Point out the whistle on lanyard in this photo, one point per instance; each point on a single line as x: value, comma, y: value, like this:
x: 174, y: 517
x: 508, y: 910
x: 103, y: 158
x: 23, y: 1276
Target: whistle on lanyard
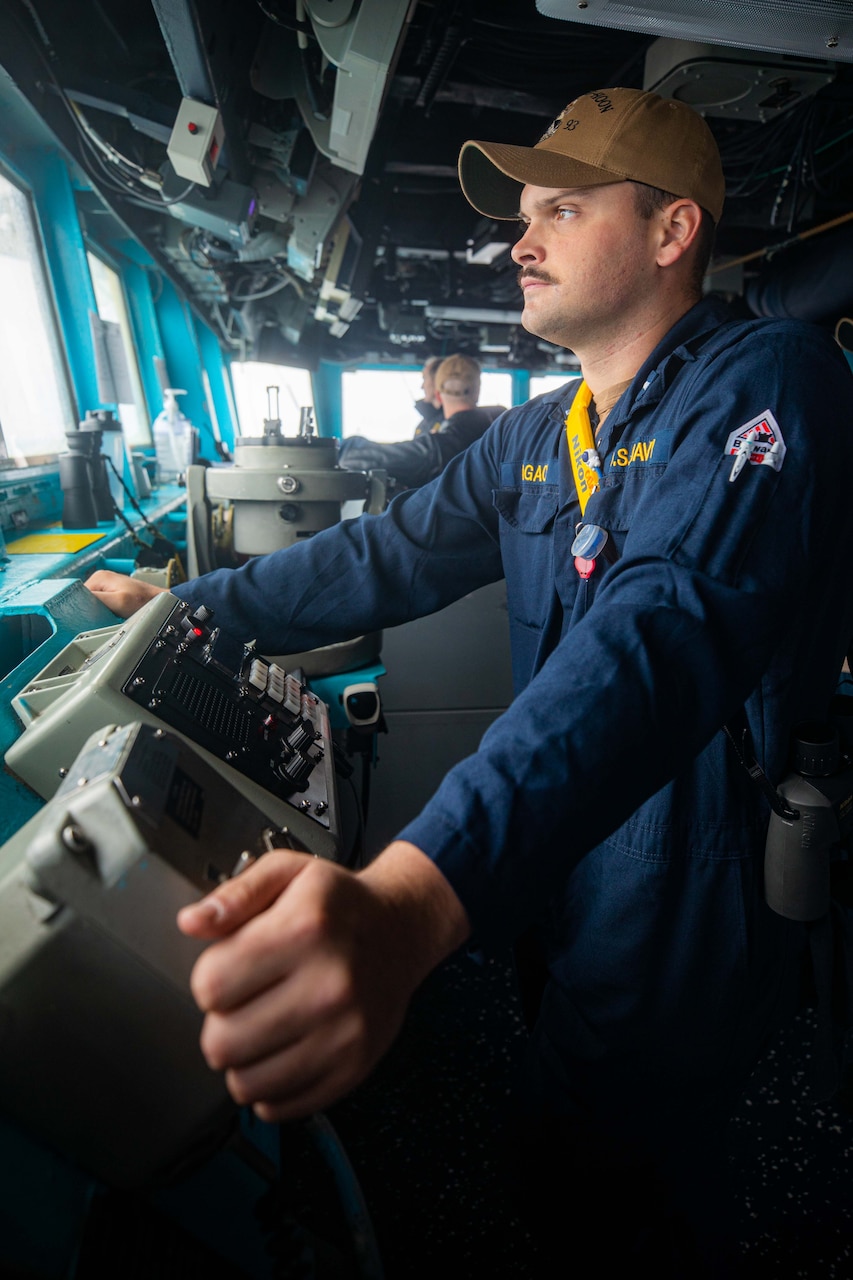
x: 592, y: 459
x: 589, y: 543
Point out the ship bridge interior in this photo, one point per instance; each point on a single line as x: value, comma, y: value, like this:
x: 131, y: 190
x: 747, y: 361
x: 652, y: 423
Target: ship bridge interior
x: 231, y: 235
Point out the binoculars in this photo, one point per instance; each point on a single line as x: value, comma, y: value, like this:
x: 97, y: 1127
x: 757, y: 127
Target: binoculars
x: 84, y: 481
x: 800, y: 848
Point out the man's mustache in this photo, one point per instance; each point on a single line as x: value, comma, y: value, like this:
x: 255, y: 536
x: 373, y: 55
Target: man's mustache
x: 531, y: 273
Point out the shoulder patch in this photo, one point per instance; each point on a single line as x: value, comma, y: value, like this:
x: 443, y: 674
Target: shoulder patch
x: 758, y: 442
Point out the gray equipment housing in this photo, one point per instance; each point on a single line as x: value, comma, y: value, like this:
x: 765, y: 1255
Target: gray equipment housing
x: 280, y: 488
x: 100, y: 1056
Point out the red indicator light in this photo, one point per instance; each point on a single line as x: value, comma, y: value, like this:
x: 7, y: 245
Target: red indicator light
x: 192, y: 127
x: 197, y: 631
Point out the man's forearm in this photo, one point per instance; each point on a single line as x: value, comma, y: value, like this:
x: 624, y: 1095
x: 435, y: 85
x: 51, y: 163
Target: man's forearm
x: 433, y: 921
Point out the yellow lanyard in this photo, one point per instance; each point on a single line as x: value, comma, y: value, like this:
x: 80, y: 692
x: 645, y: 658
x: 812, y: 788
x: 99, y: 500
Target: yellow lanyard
x: 586, y: 467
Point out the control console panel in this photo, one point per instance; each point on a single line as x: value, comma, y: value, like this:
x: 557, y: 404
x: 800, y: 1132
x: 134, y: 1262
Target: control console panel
x: 164, y: 666
x: 257, y: 717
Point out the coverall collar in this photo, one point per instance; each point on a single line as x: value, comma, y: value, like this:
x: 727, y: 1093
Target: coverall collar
x: 676, y: 348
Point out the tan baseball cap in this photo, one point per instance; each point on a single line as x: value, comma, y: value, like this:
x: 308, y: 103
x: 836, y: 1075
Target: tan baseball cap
x: 611, y: 135
x: 458, y: 376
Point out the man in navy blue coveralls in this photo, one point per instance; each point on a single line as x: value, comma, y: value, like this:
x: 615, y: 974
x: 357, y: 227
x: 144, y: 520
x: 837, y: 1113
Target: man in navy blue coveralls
x: 604, y: 814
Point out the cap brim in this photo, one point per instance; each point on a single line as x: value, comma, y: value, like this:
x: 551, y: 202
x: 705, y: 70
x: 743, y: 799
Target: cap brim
x: 492, y: 175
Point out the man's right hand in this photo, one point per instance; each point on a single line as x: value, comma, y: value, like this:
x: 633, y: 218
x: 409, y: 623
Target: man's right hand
x: 122, y: 595
x: 312, y: 968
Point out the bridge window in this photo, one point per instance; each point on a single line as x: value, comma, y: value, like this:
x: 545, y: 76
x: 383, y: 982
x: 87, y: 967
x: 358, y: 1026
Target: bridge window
x: 548, y: 382
x: 35, y: 404
x: 496, y: 388
x: 380, y: 403
x: 251, y: 380
x: 112, y: 310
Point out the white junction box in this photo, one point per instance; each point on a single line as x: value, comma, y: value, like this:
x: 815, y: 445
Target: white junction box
x: 196, y: 141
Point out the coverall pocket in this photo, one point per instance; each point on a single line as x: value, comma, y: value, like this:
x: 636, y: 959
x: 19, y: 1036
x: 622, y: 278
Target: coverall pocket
x: 530, y: 510
x: 528, y: 557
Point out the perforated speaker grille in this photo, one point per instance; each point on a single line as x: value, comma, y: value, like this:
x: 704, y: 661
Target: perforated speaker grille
x: 210, y: 709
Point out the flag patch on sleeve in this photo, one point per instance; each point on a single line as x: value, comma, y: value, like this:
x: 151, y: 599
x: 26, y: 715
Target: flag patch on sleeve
x: 758, y: 442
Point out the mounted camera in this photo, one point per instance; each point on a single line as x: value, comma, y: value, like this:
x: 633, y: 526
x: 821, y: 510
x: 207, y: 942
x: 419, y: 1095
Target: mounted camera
x: 362, y: 705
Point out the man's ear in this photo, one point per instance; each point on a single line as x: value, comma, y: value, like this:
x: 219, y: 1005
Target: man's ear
x: 679, y: 225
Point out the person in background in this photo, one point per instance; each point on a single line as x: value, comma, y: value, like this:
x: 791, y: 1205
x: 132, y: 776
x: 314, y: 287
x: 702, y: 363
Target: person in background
x: 429, y: 407
x: 411, y: 463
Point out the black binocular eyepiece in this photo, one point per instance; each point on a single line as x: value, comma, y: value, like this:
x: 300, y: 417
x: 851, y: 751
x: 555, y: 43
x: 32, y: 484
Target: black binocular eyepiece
x: 84, y: 481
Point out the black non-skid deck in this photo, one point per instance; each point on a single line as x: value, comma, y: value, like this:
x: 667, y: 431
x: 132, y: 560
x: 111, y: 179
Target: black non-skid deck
x: 423, y: 1136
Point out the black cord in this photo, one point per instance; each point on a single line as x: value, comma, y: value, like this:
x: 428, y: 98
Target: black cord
x: 300, y: 28
x: 356, y: 856
x: 161, y: 548
x: 137, y: 541
x: 124, y: 184
x: 740, y: 740
x: 366, y: 769
x: 131, y: 499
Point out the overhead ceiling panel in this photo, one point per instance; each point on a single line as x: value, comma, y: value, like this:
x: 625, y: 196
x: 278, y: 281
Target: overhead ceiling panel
x: 819, y: 29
